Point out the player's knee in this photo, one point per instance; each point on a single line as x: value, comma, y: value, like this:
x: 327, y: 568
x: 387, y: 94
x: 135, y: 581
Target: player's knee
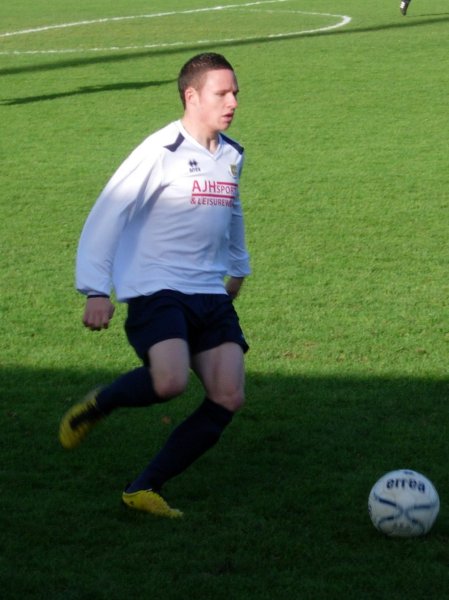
x: 170, y: 386
x: 233, y: 401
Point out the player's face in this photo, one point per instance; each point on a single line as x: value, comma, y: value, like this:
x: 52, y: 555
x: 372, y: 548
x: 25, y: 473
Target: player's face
x: 216, y: 100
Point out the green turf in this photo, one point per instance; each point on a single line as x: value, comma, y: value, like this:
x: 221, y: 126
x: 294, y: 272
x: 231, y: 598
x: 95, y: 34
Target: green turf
x: 345, y: 192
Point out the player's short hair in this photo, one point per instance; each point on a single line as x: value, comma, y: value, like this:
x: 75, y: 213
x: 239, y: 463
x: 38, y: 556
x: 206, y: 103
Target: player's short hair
x: 192, y: 73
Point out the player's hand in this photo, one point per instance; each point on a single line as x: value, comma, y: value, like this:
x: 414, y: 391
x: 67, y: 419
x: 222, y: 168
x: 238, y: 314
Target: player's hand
x: 97, y: 313
x: 233, y: 286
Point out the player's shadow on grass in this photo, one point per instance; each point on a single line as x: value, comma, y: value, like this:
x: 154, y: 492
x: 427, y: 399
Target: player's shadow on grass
x: 89, y: 89
x: 293, y: 433
x: 284, y: 493
x: 417, y: 21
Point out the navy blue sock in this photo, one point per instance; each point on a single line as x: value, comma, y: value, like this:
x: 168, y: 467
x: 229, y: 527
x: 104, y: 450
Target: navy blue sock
x: 133, y: 389
x: 190, y: 440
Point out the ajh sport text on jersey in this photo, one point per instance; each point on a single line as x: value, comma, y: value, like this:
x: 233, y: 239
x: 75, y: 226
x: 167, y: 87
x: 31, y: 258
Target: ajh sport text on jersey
x: 219, y: 188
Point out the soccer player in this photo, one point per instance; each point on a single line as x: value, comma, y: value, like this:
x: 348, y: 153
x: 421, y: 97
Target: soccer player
x: 404, y: 6
x: 167, y: 235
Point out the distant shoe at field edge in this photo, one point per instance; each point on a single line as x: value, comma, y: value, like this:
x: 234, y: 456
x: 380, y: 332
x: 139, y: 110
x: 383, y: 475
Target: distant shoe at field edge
x: 404, y: 6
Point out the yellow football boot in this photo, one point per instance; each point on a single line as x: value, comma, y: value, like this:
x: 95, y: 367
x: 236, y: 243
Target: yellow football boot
x: 151, y: 502
x: 78, y: 421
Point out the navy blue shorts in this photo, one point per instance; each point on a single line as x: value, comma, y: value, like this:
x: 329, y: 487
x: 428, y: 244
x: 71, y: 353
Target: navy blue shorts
x: 205, y: 321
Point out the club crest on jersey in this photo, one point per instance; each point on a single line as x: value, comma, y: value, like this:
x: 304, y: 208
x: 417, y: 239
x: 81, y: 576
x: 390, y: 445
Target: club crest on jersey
x: 233, y: 170
x: 193, y: 166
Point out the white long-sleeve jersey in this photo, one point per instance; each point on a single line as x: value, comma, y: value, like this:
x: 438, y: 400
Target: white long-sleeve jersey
x: 169, y: 218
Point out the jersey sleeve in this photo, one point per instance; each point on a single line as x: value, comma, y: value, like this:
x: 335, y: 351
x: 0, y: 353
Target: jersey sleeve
x: 238, y: 255
x: 130, y: 187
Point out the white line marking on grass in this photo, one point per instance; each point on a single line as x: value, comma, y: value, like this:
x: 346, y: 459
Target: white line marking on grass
x: 343, y: 20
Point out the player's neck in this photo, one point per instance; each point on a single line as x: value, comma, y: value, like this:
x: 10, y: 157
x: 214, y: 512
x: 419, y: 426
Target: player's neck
x: 205, y: 137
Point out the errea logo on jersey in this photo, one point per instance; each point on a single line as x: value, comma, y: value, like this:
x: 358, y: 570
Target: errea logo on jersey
x: 193, y: 166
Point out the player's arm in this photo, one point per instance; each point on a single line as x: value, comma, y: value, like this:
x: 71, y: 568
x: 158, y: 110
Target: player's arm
x: 127, y: 191
x: 98, y: 312
x: 239, y: 266
x: 233, y: 286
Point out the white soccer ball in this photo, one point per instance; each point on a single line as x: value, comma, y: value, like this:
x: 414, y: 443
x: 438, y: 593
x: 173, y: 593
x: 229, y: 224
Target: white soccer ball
x: 403, y: 503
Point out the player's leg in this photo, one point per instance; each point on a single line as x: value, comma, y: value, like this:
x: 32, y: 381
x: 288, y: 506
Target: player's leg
x: 165, y: 378
x: 153, y: 322
x: 404, y: 6
x: 170, y: 364
x: 217, y: 347
x: 221, y: 371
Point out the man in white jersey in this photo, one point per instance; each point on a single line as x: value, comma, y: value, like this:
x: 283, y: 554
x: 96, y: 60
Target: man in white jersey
x: 167, y: 235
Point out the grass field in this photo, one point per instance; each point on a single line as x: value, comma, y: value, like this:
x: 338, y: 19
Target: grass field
x: 345, y: 193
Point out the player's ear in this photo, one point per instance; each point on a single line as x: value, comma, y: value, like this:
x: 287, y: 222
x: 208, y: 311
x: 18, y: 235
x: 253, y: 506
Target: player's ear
x: 190, y: 95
